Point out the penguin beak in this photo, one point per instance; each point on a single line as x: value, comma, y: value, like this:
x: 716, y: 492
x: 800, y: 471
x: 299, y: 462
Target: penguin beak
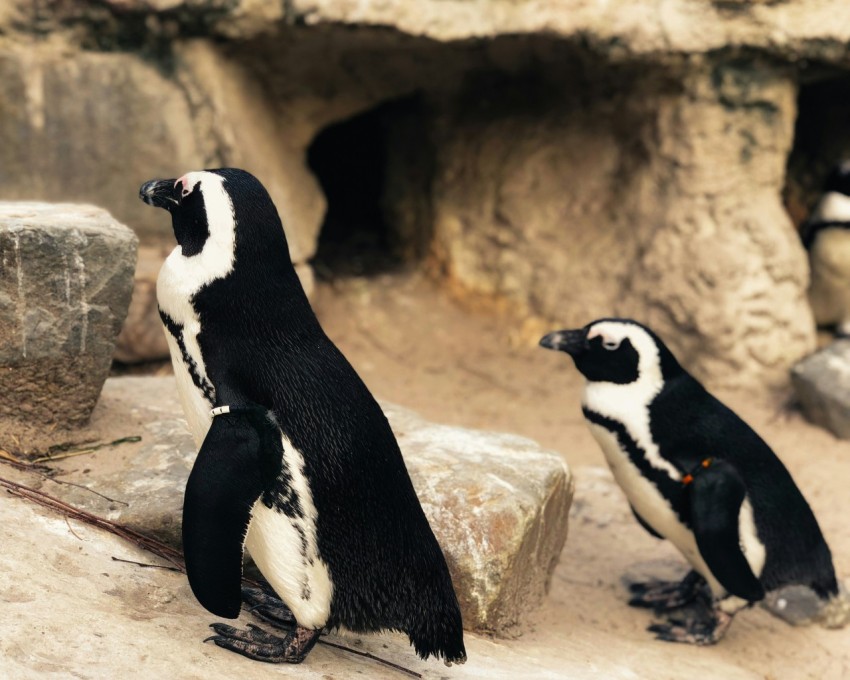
x: 160, y: 193
x: 571, y: 342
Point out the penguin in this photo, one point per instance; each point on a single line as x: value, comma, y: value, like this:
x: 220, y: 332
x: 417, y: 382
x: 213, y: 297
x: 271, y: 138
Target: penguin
x: 697, y: 475
x: 826, y: 237
x: 297, y: 463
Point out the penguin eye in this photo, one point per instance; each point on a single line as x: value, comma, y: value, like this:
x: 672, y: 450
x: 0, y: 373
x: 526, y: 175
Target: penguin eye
x: 611, y: 345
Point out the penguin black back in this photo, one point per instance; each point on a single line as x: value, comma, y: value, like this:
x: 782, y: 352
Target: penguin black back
x: 686, y: 417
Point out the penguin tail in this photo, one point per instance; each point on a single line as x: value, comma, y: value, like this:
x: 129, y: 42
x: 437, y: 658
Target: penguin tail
x: 447, y: 646
x: 440, y: 636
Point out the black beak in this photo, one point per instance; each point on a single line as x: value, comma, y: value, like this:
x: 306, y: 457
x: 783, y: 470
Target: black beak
x: 159, y: 193
x: 571, y: 342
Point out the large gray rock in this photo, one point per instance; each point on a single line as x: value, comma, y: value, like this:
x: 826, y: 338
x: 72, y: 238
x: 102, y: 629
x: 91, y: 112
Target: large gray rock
x: 822, y: 384
x: 497, y: 503
x: 65, y: 284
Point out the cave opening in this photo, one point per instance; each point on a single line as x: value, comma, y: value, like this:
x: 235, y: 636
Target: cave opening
x: 821, y: 140
x: 375, y: 170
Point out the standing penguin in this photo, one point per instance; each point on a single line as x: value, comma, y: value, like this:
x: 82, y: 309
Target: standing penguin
x: 697, y: 475
x: 297, y: 462
x: 826, y: 237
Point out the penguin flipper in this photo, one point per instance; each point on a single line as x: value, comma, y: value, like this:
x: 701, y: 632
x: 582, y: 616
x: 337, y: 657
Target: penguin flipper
x: 716, y: 496
x: 232, y: 470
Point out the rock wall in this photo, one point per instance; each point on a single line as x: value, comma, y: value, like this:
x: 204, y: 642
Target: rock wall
x: 574, y: 159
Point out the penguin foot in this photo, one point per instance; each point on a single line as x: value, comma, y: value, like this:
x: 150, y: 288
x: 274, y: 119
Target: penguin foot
x: 666, y: 595
x: 694, y: 631
x: 266, y: 606
x: 257, y: 644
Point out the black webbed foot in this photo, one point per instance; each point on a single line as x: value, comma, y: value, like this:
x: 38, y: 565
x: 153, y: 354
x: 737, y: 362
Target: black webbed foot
x: 266, y: 606
x: 697, y: 630
x: 257, y: 644
x: 666, y: 595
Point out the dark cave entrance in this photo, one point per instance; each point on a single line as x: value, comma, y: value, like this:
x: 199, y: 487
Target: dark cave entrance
x: 821, y: 140
x: 375, y: 170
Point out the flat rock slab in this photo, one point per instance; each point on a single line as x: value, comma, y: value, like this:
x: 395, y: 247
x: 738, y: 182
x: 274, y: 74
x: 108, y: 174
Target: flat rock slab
x: 498, y: 503
x: 73, y: 609
x: 822, y: 384
x: 65, y: 284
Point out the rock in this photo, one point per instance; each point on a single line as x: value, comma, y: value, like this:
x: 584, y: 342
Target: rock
x: 497, y: 503
x: 822, y: 384
x: 624, y: 154
x: 708, y: 259
x: 142, y: 337
x: 81, y: 602
x: 797, y: 605
x: 132, y: 124
x: 65, y: 284
x: 77, y: 603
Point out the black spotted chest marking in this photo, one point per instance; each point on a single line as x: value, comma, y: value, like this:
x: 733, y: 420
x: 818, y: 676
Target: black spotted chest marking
x: 283, y: 498
x: 282, y: 495
x: 176, y: 331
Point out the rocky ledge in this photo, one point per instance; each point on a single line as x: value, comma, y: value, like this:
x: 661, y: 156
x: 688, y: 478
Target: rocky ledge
x: 497, y: 503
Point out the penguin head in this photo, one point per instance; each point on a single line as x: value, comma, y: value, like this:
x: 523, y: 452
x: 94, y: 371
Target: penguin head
x: 834, y: 204
x: 219, y: 216
x: 839, y: 179
x: 618, y: 351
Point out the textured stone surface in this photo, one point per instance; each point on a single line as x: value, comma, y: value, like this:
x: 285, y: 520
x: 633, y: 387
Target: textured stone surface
x: 84, y: 126
x: 822, y: 384
x: 72, y: 610
x: 661, y: 207
x: 142, y: 337
x: 65, y: 284
x: 585, y: 159
x: 497, y: 503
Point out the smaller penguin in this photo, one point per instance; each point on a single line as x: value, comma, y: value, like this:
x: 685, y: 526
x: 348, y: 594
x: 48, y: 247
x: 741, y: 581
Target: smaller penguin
x: 697, y: 475
x: 826, y: 237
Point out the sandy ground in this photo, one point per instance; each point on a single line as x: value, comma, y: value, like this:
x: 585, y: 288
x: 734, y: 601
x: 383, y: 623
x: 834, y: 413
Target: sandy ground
x: 415, y: 347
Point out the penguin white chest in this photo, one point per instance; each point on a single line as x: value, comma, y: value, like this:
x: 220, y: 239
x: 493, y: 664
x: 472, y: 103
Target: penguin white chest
x: 283, y: 544
x: 829, y: 291
x: 182, y: 327
x: 648, y: 501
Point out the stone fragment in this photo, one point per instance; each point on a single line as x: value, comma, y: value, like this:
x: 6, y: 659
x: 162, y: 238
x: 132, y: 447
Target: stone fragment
x: 65, y: 284
x: 497, y: 503
x: 821, y: 382
x: 142, y: 337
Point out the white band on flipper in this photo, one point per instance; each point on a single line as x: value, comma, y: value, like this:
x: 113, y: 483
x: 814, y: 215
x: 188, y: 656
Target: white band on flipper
x: 218, y: 410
